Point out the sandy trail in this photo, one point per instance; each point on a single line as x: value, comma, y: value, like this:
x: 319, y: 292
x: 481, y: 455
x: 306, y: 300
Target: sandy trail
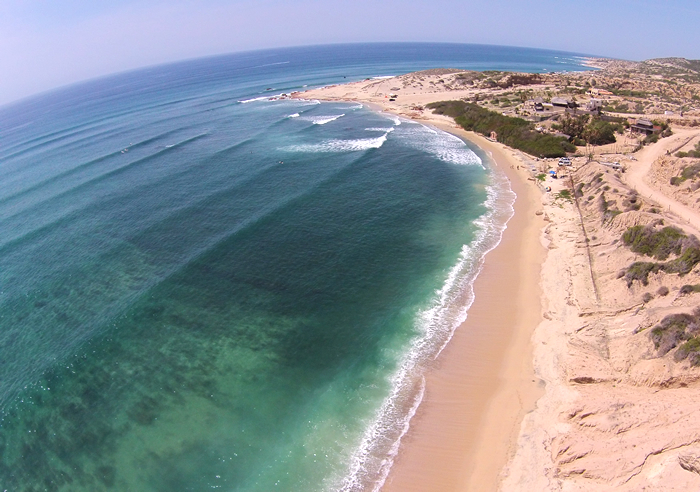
x: 636, y: 178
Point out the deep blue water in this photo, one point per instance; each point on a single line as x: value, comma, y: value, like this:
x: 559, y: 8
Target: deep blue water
x: 202, y: 288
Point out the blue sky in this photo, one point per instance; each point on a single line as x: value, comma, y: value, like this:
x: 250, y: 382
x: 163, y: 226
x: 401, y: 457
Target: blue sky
x: 47, y: 43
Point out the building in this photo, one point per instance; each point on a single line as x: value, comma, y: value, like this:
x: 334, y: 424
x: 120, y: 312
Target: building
x: 594, y: 105
x: 598, y: 92
x: 538, y: 102
x: 563, y: 103
x: 644, y: 126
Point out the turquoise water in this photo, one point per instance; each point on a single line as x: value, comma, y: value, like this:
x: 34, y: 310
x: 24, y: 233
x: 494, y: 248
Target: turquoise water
x: 201, y: 288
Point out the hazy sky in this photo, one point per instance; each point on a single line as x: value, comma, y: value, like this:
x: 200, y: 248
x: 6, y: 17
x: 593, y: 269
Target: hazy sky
x: 49, y: 43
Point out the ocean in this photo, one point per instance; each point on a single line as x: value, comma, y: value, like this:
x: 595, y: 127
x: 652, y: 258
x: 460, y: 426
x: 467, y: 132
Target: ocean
x: 202, y: 288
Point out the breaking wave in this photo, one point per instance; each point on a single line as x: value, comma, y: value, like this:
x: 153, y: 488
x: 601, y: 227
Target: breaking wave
x: 322, y: 120
x: 338, y: 145
x: 443, y: 145
x: 371, y: 463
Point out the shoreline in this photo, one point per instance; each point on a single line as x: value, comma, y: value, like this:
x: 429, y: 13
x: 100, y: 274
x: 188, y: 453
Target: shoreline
x: 483, y: 383
x: 481, y: 387
x: 604, y: 385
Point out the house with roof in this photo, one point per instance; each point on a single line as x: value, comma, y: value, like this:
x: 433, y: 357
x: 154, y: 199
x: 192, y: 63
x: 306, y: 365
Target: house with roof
x: 644, y: 126
x: 594, y: 106
x: 563, y: 103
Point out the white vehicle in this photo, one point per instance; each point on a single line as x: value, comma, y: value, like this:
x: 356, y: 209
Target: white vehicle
x: 564, y: 161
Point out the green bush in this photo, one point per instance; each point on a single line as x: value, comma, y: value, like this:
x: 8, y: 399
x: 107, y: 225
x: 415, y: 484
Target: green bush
x: 628, y: 93
x: 599, y: 132
x: 693, y: 153
x: 689, y: 350
x: 660, y: 245
x: 640, y: 270
x: 592, y: 130
x: 605, y: 208
x: 672, y: 330
x: 685, y: 262
x: 689, y: 289
x: 650, y: 139
x: 690, y: 172
x: 679, y: 329
x: 657, y: 244
x: 564, y: 195
x: 514, y: 132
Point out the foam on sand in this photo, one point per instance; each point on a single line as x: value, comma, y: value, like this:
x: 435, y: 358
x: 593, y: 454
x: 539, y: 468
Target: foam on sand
x: 395, y: 119
x: 380, y: 443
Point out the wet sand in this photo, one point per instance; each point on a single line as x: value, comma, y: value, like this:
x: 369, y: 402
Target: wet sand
x: 483, y: 382
x: 473, y: 430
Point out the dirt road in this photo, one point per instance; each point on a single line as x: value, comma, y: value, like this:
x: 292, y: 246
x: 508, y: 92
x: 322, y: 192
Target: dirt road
x: 635, y: 177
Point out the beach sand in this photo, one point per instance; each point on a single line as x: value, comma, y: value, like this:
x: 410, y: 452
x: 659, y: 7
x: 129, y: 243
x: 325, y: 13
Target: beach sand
x: 483, y: 383
x: 554, y: 383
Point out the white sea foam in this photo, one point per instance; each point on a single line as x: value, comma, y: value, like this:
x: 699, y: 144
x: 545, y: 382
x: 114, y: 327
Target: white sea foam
x: 395, y: 119
x: 295, y: 115
x: 305, y: 102
x: 440, y: 144
x: 379, y: 445
x: 322, y: 120
x: 338, y: 145
x: 282, y: 99
x: 379, y: 129
x: 263, y: 98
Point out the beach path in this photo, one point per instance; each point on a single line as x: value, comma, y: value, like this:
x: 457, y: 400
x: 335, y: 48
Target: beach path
x: 636, y: 177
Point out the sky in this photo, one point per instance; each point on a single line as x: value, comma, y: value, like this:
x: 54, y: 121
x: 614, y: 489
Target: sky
x: 46, y: 44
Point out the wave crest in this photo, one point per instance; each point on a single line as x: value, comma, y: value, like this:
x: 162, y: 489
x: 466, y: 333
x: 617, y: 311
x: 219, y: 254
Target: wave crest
x: 337, y: 145
x: 246, y: 101
x: 322, y: 120
x: 442, y: 145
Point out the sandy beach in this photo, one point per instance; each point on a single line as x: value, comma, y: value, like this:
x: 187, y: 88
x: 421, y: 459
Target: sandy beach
x: 554, y: 382
x: 483, y: 382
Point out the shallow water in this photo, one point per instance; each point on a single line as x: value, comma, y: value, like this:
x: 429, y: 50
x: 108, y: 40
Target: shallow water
x: 199, y: 292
